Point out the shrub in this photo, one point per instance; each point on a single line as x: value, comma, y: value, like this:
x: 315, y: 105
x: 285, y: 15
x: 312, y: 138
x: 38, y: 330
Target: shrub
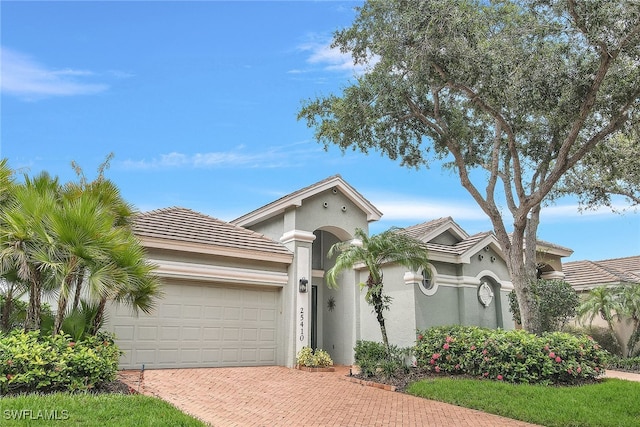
x: 602, y: 336
x: 631, y: 364
x: 31, y: 362
x: 313, y: 359
x: 372, y: 358
x: 514, y: 356
x: 555, y: 302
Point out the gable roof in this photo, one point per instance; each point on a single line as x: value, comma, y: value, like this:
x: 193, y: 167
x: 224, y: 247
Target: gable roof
x: 184, y: 229
x: 460, y: 252
x: 589, y: 274
x: 468, y: 245
x: 431, y: 229
x: 295, y: 200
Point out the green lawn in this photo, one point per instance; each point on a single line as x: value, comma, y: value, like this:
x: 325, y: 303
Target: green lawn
x: 101, y: 410
x: 610, y: 402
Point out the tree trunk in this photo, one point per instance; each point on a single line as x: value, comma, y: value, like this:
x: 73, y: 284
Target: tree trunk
x: 99, y: 317
x: 383, y: 330
x: 6, y: 311
x: 32, y: 322
x: 62, y: 304
x: 78, y: 290
x: 378, y: 306
x: 634, y: 338
x: 62, y: 308
x: 521, y: 262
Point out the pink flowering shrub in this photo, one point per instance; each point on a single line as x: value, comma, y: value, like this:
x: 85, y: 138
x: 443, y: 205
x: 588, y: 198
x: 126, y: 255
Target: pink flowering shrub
x: 513, y: 356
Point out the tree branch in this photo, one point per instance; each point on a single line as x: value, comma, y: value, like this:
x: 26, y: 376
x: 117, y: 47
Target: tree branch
x: 474, y: 97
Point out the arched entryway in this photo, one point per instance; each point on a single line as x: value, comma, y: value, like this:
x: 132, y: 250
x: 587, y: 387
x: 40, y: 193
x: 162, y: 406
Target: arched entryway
x: 332, y: 310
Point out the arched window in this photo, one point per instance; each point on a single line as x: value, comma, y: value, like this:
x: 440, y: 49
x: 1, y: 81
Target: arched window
x: 428, y: 285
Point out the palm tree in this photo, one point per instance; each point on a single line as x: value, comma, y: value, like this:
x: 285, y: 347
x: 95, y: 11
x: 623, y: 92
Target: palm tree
x: 110, y: 198
x: 11, y: 286
x: 65, y: 239
x: 388, y: 247
x: 25, y: 241
x: 82, y: 228
x: 630, y: 304
x: 104, y: 261
x: 601, y: 301
x: 134, y: 282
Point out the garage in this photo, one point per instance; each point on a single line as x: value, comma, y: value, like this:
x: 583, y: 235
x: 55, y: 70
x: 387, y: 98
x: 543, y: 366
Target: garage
x: 200, y: 325
x: 221, y: 301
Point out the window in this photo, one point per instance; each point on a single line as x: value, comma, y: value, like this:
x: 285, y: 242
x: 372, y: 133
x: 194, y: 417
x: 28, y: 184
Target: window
x: 428, y: 284
x: 427, y: 280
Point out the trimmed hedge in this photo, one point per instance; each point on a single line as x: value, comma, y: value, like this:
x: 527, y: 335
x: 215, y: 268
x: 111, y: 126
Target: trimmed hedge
x: 514, y: 356
x: 31, y: 362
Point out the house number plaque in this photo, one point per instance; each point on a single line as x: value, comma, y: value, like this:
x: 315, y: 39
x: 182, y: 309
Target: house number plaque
x: 301, y: 323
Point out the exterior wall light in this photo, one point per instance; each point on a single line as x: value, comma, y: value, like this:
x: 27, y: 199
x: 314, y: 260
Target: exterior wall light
x: 302, y: 286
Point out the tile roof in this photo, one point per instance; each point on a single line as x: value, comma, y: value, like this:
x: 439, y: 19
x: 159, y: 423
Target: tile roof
x: 586, y: 274
x: 419, y: 230
x: 186, y: 225
x: 425, y: 229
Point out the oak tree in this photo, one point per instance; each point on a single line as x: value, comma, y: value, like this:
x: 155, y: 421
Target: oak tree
x: 511, y: 95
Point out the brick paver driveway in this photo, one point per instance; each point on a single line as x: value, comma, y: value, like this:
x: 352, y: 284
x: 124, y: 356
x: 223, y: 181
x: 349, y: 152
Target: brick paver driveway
x: 278, y: 396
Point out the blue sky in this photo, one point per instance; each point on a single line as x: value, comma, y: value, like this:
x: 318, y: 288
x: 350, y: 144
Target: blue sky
x: 198, y: 102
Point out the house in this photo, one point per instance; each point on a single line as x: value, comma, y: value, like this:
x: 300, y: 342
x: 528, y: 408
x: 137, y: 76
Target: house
x: 252, y: 291
x: 586, y: 275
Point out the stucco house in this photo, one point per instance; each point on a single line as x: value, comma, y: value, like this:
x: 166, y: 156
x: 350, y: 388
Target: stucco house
x: 586, y: 275
x: 252, y: 291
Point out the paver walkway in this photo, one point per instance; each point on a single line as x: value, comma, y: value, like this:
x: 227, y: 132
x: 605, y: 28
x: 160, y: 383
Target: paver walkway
x: 279, y: 396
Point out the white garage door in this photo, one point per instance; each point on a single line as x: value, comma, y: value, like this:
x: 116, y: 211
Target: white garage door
x: 200, y: 325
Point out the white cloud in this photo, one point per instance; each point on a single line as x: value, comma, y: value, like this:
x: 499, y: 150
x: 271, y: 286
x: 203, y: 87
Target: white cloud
x: 405, y: 208
x: 320, y: 53
x: 26, y: 78
x: 277, y: 156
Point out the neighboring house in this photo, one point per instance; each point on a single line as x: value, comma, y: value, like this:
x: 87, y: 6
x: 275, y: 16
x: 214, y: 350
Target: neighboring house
x: 252, y: 291
x: 586, y: 275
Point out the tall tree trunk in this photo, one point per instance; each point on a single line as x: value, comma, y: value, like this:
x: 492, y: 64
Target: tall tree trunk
x: 378, y: 306
x: 635, y: 336
x: 78, y: 290
x: 62, y: 304
x: 522, y: 265
x: 6, y: 310
x: 32, y: 321
x: 99, y: 317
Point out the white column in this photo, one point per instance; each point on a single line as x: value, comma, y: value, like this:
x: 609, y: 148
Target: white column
x: 303, y: 312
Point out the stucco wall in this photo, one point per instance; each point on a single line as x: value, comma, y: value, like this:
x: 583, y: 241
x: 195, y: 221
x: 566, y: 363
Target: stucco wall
x: 313, y: 214
x: 273, y: 227
x: 400, y: 320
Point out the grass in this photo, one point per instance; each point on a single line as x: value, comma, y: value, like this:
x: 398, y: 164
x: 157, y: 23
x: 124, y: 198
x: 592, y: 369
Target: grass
x: 89, y: 410
x: 610, y: 402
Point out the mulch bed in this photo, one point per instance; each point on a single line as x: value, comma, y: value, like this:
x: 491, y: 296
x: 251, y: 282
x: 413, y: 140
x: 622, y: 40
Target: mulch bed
x: 400, y: 379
